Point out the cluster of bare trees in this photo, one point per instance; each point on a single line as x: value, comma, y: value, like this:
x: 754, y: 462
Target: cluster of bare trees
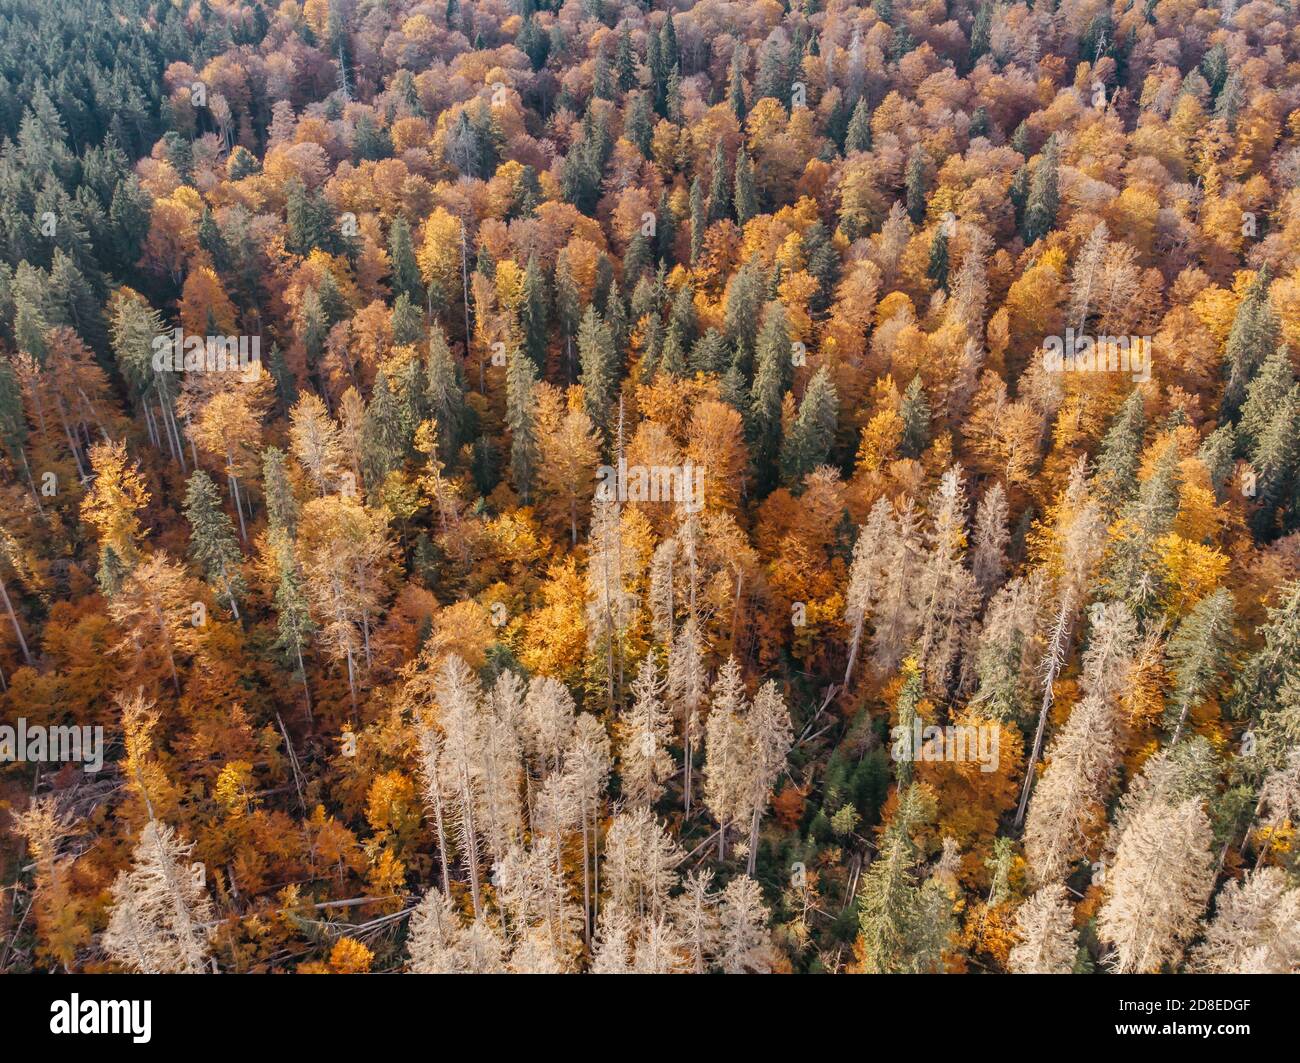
x: 517, y: 784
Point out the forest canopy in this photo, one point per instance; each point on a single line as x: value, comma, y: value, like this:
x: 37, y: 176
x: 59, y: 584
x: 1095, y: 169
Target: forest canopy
x: 567, y: 486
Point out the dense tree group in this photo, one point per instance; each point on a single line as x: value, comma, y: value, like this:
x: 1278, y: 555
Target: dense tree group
x: 611, y: 432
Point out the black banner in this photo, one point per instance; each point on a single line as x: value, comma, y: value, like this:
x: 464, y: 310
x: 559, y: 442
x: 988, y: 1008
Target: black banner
x: 335, y: 1012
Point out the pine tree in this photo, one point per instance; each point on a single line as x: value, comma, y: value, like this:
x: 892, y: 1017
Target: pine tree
x: 384, y: 438
x: 128, y: 215
x: 736, y: 82
x: 1216, y: 454
x: 406, y: 279
x: 719, y: 203
x: 915, y: 412
x: 1199, y: 655
x: 1120, y: 454
x: 710, y: 354
x: 445, y: 394
x: 937, y: 270
x: 1252, y: 338
x: 109, y: 577
x: 979, y: 33
x: 1132, y: 571
x: 772, y: 375
x: 1277, y: 662
x: 521, y: 418
x: 13, y: 424
x: 699, y: 220
x: 625, y: 60
x: 281, y: 505
x: 1274, y: 459
x: 746, y: 198
x: 1044, y: 197
x: 212, y: 539
x: 286, y: 387
x: 408, y: 321
x: 896, y: 932
x: 668, y: 54
x: 639, y: 125
x: 311, y: 222
x: 599, y: 368
x: 809, y: 440
x: 532, y: 313
x: 746, y: 295
x: 1265, y: 395
x: 858, y: 137
x: 568, y: 312
x: 294, y: 625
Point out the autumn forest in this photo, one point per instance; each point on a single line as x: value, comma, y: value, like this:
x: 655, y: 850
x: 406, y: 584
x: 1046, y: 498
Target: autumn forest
x: 570, y: 486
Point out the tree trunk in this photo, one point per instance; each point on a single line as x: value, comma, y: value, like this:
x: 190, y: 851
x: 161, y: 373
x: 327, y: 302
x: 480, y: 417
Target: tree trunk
x: 586, y: 878
x: 471, y: 842
x: 13, y: 619
x: 441, y: 828
x: 302, y: 670
x: 1054, y: 660
x: 234, y: 490
x: 853, y: 650
x: 686, y: 756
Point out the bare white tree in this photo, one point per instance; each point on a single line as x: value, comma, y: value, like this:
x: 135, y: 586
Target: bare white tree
x: 644, y: 731
x: 1048, y: 941
x: 896, y: 615
x: 1255, y: 929
x: 661, y: 948
x: 1162, y: 876
x: 726, y: 752
x: 459, y: 765
x: 746, y: 945
x: 640, y: 856
x: 988, y: 554
x: 161, y: 916
x: 586, y: 773
x: 946, y: 593
x: 770, y: 739
x: 1069, y: 803
x: 696, y: 912
x: 614, y: 942
x: 866, y: 575
x: 687, y: 691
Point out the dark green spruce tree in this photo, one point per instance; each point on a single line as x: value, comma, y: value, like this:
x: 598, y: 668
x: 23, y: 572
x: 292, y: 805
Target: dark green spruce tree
x: 212, y: 540
x: 808, y: 443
